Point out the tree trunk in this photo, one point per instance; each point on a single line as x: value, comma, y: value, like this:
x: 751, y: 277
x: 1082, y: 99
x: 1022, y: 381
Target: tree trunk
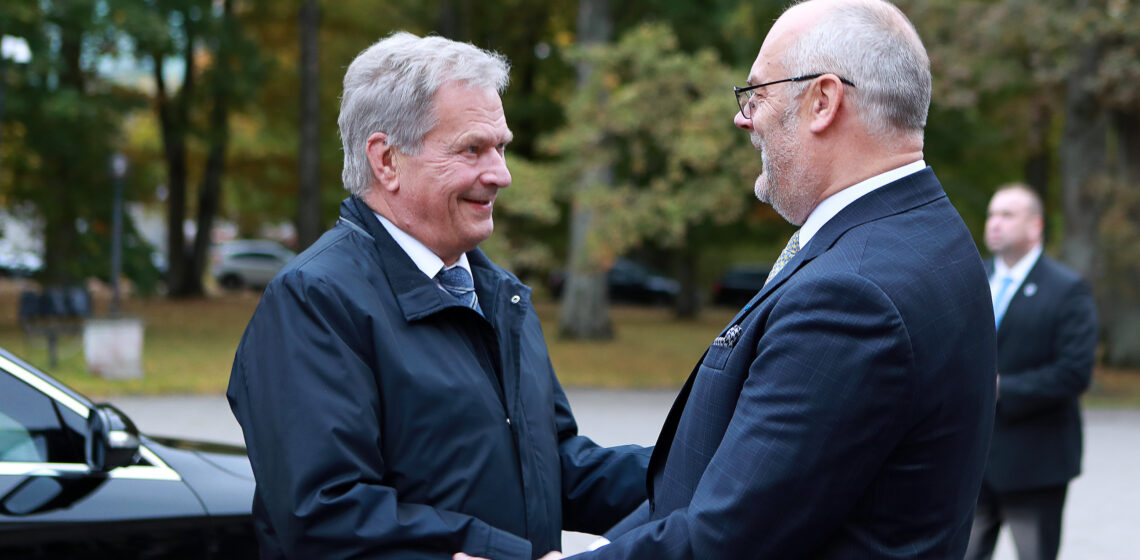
x: 1121, y: 300
x: 689, y: 300
x: 1038, y: 164
x: 209, y: 195
x: 447, y: 22
x: 585, y: 312
x: 1127, y: 128
x: 1083, y: 148
x: 60, y: 235
x: 309, y: 154
x: 174, y: 118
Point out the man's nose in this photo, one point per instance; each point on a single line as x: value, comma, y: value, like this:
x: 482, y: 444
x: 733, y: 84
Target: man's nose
x: 495, y: 173
x: 742, y: 122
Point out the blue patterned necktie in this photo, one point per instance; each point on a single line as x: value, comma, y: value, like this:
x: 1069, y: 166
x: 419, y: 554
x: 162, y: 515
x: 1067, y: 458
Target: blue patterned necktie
x: 786, y: 255
x: 458, y: 282
x: 1001, y: 303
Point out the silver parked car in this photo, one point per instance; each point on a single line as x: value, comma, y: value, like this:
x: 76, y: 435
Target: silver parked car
x: 248, y: 262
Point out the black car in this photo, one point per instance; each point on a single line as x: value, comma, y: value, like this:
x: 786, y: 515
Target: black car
x: 630, y: 282
x: 77, y: 480
x: 739, y: 283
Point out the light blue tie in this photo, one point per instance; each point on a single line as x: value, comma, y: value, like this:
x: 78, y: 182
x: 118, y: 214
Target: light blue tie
x: 1000, y: 301
x: 458, y: 282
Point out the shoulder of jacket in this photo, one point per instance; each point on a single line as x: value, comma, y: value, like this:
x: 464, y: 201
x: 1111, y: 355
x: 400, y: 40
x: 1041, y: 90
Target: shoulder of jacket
x: 1059, y: 272
x: 331, y: 259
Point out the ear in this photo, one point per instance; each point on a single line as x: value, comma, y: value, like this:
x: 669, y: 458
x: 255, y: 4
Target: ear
x: 381, y: 159
x: 1038, y: 226
x: 827, y: 98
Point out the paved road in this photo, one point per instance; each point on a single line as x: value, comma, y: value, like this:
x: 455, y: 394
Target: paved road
x: 1102, y: 520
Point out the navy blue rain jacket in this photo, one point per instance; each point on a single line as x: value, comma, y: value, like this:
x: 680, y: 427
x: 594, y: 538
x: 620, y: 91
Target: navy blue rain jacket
x: 377, y: 425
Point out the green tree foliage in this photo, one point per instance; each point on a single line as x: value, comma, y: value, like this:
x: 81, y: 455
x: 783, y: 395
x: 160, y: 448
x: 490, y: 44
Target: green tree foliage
x: 61, y: 125
x: 1058, y: 81
x: 221, y: 71
x: 664, y: 124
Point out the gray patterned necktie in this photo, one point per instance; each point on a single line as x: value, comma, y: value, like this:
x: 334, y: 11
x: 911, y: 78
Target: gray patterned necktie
x: 786, y: 255
x: 458, y: 282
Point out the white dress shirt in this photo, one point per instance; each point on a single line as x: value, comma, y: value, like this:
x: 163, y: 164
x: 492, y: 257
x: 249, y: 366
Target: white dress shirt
x: 425, y: 259
x: 1017, y: 273
x: 835, y: 203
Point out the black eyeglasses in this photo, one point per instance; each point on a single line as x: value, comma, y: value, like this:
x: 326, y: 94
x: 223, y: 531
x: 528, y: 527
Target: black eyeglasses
x: 744, y: 94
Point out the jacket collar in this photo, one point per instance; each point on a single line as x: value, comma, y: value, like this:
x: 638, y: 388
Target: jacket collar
x: 899, y: 196
x: 417, y: 295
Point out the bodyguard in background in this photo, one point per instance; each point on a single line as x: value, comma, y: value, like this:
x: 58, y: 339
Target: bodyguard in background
x: 1046, y: 337
x: 393, y: 406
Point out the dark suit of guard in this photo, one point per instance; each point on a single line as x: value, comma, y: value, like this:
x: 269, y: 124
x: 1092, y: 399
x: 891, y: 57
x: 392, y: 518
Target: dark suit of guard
x: 846, y: 411
x: 1046, y: 347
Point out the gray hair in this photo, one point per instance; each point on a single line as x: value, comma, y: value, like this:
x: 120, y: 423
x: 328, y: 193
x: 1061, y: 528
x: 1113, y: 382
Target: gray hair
x: 389, y: 88
x: 871, y: 43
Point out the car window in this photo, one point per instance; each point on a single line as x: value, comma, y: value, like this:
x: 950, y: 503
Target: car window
x: 35, y: 428
x: 256, y: 256
x: 17, y: 444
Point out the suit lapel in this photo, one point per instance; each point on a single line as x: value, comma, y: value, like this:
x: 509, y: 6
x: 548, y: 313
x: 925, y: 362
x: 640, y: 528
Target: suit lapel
x: 668, y: 431
x: 1019, y: 303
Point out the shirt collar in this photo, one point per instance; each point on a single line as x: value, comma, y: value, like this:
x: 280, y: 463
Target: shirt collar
x: 1018, y: 271
x: 835, y: 203
x: 425, y: 259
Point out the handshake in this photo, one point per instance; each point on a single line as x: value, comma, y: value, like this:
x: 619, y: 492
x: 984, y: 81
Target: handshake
x: 553, y: 555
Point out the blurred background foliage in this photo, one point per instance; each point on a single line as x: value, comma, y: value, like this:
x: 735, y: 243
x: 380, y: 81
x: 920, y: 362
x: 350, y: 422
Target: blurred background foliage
x: 205, y: 99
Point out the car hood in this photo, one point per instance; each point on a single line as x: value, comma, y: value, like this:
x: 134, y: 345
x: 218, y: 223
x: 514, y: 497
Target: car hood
x: 218, y: 473
x: 230, y: 458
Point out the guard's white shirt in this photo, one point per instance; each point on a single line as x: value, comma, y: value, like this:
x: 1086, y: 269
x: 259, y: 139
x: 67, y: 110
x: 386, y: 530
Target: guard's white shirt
x: 1017, y: 273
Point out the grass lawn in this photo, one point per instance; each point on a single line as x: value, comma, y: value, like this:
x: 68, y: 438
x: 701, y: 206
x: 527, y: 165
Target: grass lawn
x: 189, y: 348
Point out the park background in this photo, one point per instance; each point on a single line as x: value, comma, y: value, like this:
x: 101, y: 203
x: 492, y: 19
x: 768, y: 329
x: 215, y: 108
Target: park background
x: 624, y: 146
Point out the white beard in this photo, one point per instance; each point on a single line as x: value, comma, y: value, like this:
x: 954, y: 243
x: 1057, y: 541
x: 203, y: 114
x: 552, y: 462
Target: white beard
x: 782, y: 169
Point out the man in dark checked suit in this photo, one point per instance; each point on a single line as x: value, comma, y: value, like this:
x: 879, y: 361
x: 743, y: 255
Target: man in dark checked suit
x: 846, y: 411
x: 1047, y: 335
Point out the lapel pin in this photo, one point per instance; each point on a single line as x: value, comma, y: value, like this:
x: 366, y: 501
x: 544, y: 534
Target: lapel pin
x: 1030, y: 289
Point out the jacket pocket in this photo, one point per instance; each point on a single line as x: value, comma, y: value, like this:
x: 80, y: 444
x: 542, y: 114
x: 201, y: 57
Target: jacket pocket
x: 717, y: 356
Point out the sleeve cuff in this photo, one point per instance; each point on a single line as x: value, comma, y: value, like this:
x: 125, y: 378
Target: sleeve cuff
x: 505, y: 546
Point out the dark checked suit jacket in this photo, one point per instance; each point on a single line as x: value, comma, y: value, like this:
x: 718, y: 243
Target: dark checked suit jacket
x: 846, y: 411
x: 1046, y: 348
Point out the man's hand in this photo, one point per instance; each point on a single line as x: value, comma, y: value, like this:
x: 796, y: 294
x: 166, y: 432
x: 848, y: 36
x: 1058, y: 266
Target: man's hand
x: 552, y: 555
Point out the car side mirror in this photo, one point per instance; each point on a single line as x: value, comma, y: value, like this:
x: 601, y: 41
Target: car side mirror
x: 112, y: 439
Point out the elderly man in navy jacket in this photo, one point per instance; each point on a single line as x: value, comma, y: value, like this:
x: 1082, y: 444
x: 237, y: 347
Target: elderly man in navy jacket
x: 393, y: 385
x: 845, y: 412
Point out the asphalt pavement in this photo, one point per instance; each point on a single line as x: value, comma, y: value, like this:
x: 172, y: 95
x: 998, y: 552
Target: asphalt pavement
x: 1102, y: 517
